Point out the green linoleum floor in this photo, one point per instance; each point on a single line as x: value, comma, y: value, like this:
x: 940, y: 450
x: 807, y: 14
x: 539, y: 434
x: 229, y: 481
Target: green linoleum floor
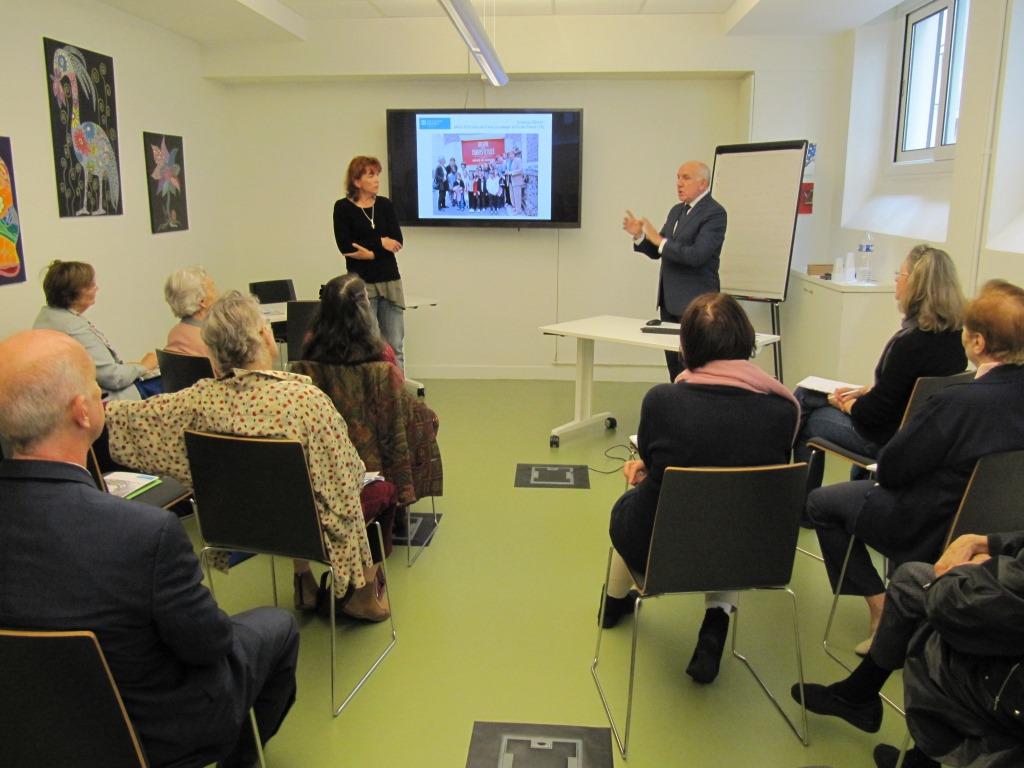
x: 496, y: 621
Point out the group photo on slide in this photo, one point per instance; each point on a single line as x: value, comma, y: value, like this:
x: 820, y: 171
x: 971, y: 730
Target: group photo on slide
x: 488, y: 176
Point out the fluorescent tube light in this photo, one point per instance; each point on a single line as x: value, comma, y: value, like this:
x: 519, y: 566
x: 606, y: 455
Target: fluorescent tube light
x: 467, y: 22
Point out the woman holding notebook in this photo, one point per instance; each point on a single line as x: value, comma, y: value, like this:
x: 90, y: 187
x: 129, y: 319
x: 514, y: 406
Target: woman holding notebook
x: 863, y: 419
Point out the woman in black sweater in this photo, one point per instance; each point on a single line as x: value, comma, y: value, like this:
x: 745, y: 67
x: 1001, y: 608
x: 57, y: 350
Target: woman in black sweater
x: 367, y: 233
x: 722, y: 411
x: 864, y: 419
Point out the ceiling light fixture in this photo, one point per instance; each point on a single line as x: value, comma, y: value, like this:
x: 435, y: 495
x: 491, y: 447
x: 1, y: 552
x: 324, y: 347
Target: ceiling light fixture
x: 467, y: 22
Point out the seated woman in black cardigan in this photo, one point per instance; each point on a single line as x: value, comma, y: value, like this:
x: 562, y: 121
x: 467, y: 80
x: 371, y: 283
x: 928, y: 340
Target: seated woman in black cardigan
x: 924, y: 470
x: 864, y: 419
x: 722, y: 411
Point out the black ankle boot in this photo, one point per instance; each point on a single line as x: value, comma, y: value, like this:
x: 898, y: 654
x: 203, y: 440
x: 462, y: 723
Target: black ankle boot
x: 886, y: 756
x: 707, y: 656
x: 616, y: 607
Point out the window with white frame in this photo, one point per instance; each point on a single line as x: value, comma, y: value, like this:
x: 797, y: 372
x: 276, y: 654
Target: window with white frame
x: 933, y: 67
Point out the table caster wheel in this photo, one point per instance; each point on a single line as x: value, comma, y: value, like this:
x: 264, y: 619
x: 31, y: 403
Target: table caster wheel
x: 610, y: 423
x: 553, y: 442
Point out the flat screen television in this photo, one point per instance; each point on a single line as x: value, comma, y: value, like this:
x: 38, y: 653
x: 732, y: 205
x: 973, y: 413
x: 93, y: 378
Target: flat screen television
x: 485, y: 167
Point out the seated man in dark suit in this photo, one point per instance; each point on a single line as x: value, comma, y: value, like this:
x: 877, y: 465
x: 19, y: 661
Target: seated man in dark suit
x: 924, y: 470
x: 958, y: 627
x: 78, y: 558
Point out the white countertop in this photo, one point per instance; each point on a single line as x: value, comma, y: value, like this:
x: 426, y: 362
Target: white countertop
x: 840, y: 287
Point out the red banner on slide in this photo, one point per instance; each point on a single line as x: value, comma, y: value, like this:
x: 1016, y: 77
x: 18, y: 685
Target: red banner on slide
x: 482, y: 150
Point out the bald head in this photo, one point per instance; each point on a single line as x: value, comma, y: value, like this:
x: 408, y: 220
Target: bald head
x: 48, y: 391
x: 692, y: 179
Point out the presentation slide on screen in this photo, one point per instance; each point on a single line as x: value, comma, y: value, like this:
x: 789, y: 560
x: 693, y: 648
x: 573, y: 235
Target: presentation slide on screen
x: 484, y: 166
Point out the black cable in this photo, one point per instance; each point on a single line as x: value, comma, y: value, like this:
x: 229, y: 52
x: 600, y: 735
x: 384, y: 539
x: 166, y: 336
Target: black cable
x: 608, y: 455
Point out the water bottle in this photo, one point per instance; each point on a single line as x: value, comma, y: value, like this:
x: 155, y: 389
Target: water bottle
x: 865, y: 255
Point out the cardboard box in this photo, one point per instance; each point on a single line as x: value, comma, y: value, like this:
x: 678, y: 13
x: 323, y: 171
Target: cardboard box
x: 819, y: 270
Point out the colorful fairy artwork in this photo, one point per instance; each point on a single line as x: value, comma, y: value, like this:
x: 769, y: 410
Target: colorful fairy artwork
x: 12, y: 259
x: 165, y: 168
x: 83, y: 122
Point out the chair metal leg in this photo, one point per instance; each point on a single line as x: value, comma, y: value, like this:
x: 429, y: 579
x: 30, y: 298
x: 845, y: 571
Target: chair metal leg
x: 273, y: 578
x: 828, y: 627
x: 835, y: 604
x: 204, y: 560
x: 260, y: 758
x: 810, y: 554
x: 394, y: 635
x: 903, y: 750
x: 801, y: 732
x: 621, y: 740
x: 409, y: 559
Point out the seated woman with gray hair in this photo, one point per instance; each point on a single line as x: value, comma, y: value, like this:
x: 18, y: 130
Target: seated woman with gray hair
x: 252, y: 399
x: 189, y: 292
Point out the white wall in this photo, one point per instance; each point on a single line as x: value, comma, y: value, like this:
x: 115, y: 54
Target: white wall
x: 265, y: 156
x: 994, y: 189
x: 662, y: 90
x: 159, y: 89
x: 495, y: 286
x: 957, y: 204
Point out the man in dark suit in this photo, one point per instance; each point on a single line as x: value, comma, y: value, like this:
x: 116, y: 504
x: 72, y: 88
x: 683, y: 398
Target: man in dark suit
x: 689, y: 245
x: 440, y: 182
x: 77, y: 558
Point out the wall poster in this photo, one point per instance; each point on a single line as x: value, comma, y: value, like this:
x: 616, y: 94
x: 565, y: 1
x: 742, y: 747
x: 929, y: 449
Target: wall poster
x: 165, y: 167
x: 83, y: 122
x: 12, y: 258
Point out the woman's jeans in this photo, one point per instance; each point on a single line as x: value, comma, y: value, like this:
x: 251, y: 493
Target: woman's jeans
x: 819, y: 419
x: 391, y: 319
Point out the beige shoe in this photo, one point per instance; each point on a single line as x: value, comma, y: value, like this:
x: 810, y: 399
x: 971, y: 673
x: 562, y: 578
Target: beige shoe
x: 365, y: 605
x: 862, y: 648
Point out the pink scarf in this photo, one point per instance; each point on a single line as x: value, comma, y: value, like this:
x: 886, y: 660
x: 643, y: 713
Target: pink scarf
x: 741, y: 374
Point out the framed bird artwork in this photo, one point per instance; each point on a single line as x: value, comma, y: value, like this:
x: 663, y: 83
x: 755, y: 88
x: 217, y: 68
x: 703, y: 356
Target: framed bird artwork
x: 83, y: 122
x: 165, y: 171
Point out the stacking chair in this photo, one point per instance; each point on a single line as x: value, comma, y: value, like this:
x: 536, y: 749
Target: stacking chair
x: 924, y: 387
x: 300, y: 318
x: 718, y: 530
x: 169, y: 494
x: 254, y: 494
x: 275, y: 292
x: 61, y: 704
x: 389, y: 435
x: 179, y: 371
x: 994, y: 499
x: 993, y: 502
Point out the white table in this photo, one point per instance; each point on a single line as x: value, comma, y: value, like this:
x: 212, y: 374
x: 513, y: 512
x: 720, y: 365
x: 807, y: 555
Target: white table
x: 617, y: 330
x: 276, y: 312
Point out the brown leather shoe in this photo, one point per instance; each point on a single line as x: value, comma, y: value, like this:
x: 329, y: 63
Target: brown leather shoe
x: 366, y: 606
